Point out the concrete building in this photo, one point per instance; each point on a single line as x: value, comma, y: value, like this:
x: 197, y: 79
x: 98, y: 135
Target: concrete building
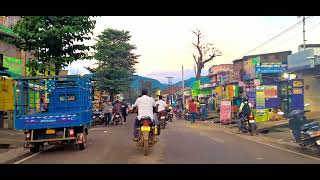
x: 307, y: 66
x: 10, y: 56
x: 218, y: 72
x: 13, y: 61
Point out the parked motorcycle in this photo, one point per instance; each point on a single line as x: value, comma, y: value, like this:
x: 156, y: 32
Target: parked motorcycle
x: 147, y: 132
x: 186, y: 115
x: 305, y: 134
x: 178, y: 115
x: 117, y: 119
x: 98, y: 118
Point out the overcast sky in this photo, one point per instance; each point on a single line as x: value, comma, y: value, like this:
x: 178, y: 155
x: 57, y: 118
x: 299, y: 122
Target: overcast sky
x: 165, y: 42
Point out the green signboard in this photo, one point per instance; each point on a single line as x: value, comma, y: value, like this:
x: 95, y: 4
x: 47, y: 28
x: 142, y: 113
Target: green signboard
x: 14, y: 65
x: 7, y: 30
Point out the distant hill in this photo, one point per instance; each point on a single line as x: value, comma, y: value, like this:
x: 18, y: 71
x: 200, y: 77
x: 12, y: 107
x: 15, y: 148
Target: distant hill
x: 155, y: 83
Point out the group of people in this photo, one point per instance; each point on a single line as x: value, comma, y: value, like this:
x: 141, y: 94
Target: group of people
x: 147, y: 106
x: 197, y: 109
x: 110, y: 109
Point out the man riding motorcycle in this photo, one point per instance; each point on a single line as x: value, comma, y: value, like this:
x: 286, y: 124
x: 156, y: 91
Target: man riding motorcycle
x: 117, y: 110
x: 169, y: 110
x: 161, y: 108
x: 145, y: 106
x: 244, y: 111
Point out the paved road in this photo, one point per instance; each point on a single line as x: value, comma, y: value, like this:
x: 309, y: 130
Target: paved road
x: 179, y: 143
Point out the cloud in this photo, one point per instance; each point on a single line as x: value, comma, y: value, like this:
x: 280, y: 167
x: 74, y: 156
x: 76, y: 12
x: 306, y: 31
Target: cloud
x: 177, y: 75
x: 165, y: 43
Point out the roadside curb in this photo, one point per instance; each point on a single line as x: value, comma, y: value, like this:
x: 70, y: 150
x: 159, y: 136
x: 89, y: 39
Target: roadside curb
x: 275, y: 125
x: 261, y: 138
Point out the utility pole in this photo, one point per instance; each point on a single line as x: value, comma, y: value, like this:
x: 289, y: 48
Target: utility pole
x: 169, y: 86
x: 304, y: 32
x: 182, y: 88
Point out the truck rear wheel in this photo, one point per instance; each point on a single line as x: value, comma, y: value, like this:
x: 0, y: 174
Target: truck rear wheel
x: 35, y: 149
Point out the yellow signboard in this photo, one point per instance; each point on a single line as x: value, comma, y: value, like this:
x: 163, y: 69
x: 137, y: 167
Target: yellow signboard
x: 297, y: 84
x: 297, y: 91
x: 6, y: 94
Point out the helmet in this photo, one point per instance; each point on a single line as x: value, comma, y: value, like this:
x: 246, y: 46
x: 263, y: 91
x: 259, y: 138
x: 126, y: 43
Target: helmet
x: 245, y: 99
x: 144, y: 92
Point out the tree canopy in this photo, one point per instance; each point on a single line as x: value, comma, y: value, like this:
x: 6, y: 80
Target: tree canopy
x: 54, y: 40
x: 116, y: 61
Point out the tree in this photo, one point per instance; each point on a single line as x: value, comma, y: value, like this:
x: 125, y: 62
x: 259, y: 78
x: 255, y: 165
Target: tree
x: 206, y: 53
x: 116, y: 61
x: 54, y: 40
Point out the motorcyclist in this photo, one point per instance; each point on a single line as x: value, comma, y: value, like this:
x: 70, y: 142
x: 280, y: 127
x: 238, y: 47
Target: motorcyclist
x: 168, y: 108
x: 161, y: 107
x: 117, y: 109
x: 124, y: 108
x: 145, y: 106
x: 244, y: 110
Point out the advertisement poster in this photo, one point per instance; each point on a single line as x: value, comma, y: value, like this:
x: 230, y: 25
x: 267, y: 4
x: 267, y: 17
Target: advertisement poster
x: 297, y: 91
x: 249, y: 67
x: 225, y: 111
x: 14, y: 65
x: 260, y: 97
x: 271, y: 91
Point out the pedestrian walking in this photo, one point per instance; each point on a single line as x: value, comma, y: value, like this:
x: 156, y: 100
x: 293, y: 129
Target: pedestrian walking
x: 193, y: 111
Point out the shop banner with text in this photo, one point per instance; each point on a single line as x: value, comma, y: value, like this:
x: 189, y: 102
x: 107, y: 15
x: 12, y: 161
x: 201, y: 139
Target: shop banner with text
x: 225, y: 112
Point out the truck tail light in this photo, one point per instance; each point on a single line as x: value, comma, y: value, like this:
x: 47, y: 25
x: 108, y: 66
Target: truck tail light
x: 28, y: 135
x: 71, y: 132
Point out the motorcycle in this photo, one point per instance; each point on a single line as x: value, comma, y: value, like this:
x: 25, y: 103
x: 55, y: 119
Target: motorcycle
x: 147, y: 132
x: 117, y: 119
x: 186, y: 115
x: 169, y: 115
x: 305, y: 134
x: 178, y: 115
x: 162, y: 120
x: 248, y: 123
x: 98, y: 118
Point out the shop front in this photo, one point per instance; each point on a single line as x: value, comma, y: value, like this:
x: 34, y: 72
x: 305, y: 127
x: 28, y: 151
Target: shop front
x: 262, y: 81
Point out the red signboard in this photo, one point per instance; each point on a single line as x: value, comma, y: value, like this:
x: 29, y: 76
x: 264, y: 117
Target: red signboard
x: 225, y: 112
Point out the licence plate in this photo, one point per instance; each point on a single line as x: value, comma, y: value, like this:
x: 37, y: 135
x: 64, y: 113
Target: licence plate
x: 251, y: 121
x: 145, y: 128
x: 50, y: 131
x: 318, y: 142
x: 117, y: 115
x: 162, y: 117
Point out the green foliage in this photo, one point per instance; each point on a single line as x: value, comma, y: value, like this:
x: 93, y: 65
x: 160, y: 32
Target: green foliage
x: 54, y: 40
x: 115, y: 61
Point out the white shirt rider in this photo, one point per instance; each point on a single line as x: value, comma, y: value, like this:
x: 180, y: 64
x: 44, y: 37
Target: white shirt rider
x: 145, y: 106
x: 161, y: 105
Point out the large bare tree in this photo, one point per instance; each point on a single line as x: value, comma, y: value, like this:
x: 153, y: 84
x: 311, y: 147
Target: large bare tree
x: 205, y: 53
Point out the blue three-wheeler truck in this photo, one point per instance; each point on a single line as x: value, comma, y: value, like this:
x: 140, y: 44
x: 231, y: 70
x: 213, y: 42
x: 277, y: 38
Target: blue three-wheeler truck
x: 53, y: 110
